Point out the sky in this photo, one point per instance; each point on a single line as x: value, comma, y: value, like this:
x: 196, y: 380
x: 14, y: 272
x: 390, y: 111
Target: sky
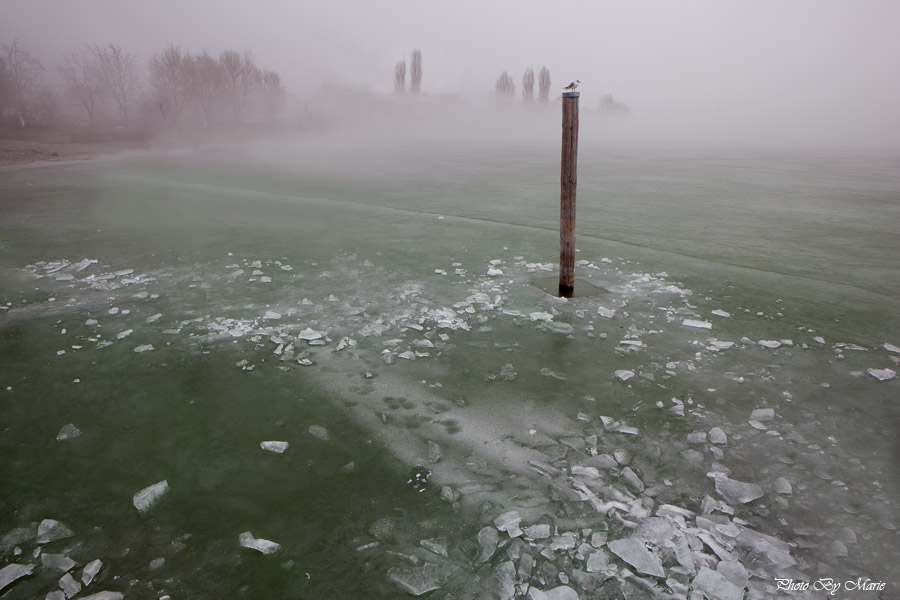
x: 789, y: 66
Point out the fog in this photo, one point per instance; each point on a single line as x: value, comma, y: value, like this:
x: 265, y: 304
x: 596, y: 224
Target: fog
x: 806, y: 71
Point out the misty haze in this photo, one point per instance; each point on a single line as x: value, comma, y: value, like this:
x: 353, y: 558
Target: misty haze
x: 285, y: 309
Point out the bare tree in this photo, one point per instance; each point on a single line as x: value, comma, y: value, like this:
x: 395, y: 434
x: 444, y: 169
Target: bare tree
x: 120, y: 77
x: 273, y: 94
x: 415, y: 71
x: 241, y: 76
x: 170, y: 72
x: 400, y: 77
x: 528, y: 86
x: 81, y: 72
x: 544, y: 85
x: 505, y: 86
x: 208, y: 84
x: 7, y: 95
x: 24, y: 69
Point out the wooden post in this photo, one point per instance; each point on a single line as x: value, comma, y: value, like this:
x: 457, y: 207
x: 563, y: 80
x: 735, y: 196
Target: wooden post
x: 568, y: 181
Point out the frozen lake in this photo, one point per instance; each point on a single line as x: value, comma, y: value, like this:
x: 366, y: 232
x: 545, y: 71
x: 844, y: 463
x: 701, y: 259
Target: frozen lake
x: 729, y: 399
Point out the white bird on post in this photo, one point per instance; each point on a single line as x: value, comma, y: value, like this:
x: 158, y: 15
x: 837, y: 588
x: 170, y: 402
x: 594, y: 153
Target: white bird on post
x: 571, y: 87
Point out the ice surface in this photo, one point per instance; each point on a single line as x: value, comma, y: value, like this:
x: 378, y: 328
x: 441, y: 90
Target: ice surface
x: 68, y: 432
x: 267, y: 547
x: 633, y: 551
x: 882, y: 374
x: 12, y: 573
x: 51, y: 530
x: 274, y: 447
x: 146, y: 498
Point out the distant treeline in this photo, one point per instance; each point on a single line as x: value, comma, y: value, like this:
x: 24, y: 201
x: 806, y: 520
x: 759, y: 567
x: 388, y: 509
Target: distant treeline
x: 105, y: 86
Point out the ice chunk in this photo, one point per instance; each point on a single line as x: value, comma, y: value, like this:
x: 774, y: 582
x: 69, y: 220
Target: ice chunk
x: 772, y: 344
x: 504, y: 580
x: 882, y: 374
x: 717, y: 436
x: 624, y: 374
x: 153, y: 318
x: 494, y: 272
x: 509, y: 522
x: 435, y: 453
x: 83, y: 264
x: 697, y: 324
x: 143, y: 348
x: 90, y: 570
x: 124, y: 334
x: 146, y: 498
x: 762, y: 414
x: 737, y: 491
x: 632, y: 480
x: 633, y: 551
x: 68, y: 585
x: 57, y: 562
x: 51, y: 530
x: 538, y: 532
x: 318, y: 431
x: 309, y: 334
x: 508, y: 372
x: 721, y: 313
x: 12, y: 573
x: 267, y: 547
x: 562, y: 592
x: 274, y: 447
x: 68, y: 432
x: 783, y: 486
x: 606, y: 313
x: 407, y: 355
x: 422, y: 579
x: 105, y: 595
x: 696, y: 437
x: 715, y: 585
x: 891, y: 348
x: 597, y: 561
x: 271, y: 315
x: 488, y: 538
x: 540, y: 316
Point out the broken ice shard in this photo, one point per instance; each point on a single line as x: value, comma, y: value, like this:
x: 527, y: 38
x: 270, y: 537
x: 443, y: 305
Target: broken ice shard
x: 882, y: 374
x: 68, y: 432
x: 715, y: 585
x: 267, y: 547
x: 606, y: 313
x: 274, y: 447
x: 145, y: 499
x: 633, y: 551
x: 309, y: 334
x: 697, y: 324
x: 624, y: 374
x: 12, y: 573
x: 90, y: 570
x: 51, y: 530
x: 737, y: 491
x: 421, y: 580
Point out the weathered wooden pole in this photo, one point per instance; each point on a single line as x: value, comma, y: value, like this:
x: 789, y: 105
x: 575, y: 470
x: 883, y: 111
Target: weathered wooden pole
x: 567, y: 183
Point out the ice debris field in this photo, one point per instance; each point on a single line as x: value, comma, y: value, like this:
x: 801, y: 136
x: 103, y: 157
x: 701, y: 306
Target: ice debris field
x: 645, y: 442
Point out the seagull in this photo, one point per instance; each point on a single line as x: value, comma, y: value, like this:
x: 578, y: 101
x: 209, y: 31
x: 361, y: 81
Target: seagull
x: 571, y: 87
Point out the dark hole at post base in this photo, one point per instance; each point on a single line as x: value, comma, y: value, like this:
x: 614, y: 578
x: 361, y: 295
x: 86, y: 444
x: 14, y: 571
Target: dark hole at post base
x: 584, y: 288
